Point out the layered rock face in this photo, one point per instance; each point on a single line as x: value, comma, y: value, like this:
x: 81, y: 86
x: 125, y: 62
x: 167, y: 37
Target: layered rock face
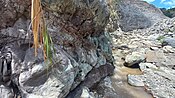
x: 82, y: 49
x: 134, y: 14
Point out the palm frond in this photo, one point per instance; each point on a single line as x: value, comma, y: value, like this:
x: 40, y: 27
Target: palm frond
x: 35, y: 17
x: 39, y: 29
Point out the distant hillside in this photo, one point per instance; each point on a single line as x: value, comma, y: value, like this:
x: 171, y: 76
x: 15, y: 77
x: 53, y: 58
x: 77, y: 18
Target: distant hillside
x: 169, y: 12
x: 134, y: 14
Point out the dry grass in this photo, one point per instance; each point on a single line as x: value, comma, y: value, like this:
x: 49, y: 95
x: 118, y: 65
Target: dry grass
x: 39, y: 30
x: 35, y: 17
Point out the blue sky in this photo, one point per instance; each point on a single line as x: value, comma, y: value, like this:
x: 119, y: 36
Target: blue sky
x: 162, y: 3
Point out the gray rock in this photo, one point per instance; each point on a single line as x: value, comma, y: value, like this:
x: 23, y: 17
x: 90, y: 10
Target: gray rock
x: 86, y: 93
x: 135, y: 81
x: 169, y: 60
x: 155, y: 56
x: 164, y: 28
x: 85, y: 69
x: 93, y: 77
x: 147, y: 66
x: 134, y: 58
x: 169, y: 41
x: 168, y: 49
x: 6, y: 92
x: 154, y: 48
x: 154, y: 37
x: 76, y: 56
x: 160, y: 82
x: 160, y: 58
x: 42, y: 79
x: 105, y: 89
x: 9, y: 13
x: 80, y: 14
x: 134, y: 14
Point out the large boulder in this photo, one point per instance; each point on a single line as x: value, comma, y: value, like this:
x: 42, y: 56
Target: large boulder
x: 82, y: 51
x: 79, y: 16
x: 134, y: 14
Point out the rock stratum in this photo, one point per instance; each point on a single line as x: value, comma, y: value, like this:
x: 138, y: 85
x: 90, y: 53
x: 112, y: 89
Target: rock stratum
x: 82, y: 51
x: 91, y: 38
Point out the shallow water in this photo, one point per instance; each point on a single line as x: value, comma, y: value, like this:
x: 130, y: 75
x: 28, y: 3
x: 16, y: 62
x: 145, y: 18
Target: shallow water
x: 121, y: 86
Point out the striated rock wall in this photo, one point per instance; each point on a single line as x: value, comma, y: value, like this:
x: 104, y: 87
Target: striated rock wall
x: 81, y: 45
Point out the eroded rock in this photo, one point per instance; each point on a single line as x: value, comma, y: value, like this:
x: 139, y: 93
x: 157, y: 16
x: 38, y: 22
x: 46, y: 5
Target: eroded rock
x: 134, y: 58
x: 134, y: 81
x: 83, y: 53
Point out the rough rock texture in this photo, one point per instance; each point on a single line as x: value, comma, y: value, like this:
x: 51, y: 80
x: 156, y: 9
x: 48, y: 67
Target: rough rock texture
x: 165, y: 28
x: 92, y: 78
x: 134, y: 81
x: 83, y: 54
x: 134, y: 58
x: 169, y: 41
x: 133, y: 14
x: 12, y: 10
x: 104, y: 89
x: 80, y: 16
x: 160, y: 81
x: 157, y: 71
x: 6, y: 92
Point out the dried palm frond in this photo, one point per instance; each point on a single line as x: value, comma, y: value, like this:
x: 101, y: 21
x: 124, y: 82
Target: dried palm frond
x: 39, y: 29
x: 35, y: 17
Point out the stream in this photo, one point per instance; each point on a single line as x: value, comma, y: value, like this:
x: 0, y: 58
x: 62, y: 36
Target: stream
x: 121, y: 86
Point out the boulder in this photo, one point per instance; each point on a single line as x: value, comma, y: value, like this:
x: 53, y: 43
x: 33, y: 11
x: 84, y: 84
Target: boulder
x: 6, y: 92
x: 169, y: 41
x: 147, y: 66
x: 82, y: 49
x: 160, y: 58
x: 79, y: 16
x: 135, y: 81
x: 134, y: 58
x: 155, y: 56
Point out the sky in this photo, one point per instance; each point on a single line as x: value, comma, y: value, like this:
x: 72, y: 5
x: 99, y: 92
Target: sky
x: 162, y: 3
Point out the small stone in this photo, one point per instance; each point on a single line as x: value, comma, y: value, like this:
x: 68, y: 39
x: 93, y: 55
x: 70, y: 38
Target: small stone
x: 145, y: 66
x: 134, y: 81
x: 168, y: 49
x: 154, y: 48
x: 133, y: 46
x: 86, y: 93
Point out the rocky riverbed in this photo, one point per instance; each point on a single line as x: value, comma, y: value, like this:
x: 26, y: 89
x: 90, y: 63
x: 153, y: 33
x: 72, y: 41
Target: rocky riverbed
x: 144, y: 63
x: 152, y: 51
x: 103, y: 49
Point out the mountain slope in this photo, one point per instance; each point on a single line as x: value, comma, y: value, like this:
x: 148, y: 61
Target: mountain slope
x: 136, y: 14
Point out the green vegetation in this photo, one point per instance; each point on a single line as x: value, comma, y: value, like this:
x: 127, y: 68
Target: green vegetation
x: 168, y: 12
x: 39, y: 28
x: 161, y: 38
